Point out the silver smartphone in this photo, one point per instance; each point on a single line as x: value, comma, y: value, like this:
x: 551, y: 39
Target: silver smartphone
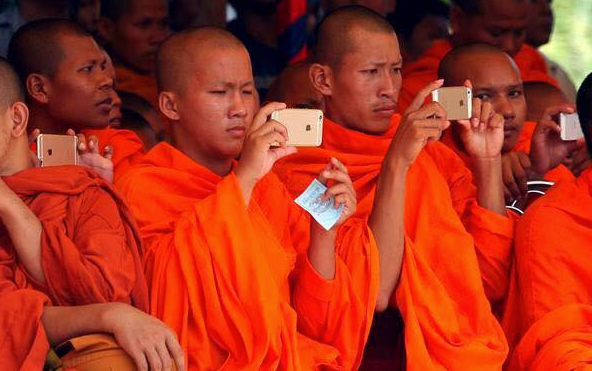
x: 570, y: 126
x: 305, y: 126
x: 57, y: 150
x: 456, y: 100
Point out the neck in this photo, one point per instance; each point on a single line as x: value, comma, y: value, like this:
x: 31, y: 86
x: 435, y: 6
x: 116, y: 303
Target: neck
x: 184, y: 143
x: 18, y: 157
x: 32, y: 10
x: 41, y: 120
x: 261, y: 27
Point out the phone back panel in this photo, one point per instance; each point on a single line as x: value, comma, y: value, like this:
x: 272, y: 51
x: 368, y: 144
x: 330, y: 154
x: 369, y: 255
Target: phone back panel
x: 456, y: 100
x: 305, y: 126
x: 57, y: 150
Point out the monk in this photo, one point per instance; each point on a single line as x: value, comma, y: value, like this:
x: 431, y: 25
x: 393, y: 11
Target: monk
x: 434, y: 228
x: 75, y: 70
x: 500, y: 23
x: 293, y: 87
x: 235, y: 267
x: 133, y: 29
x: 495, y: 78
x: 550, y: 303
x: 70, y: 260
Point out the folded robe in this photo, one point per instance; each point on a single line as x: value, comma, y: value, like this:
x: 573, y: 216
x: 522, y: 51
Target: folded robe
x: 128, y: 148
x: 90, y: 248
x: 418, y: 74
x: 557, y: 174
x: 234, y: 281
x: 561, y: 341
x: 552, y: 267
x: 448, y: 320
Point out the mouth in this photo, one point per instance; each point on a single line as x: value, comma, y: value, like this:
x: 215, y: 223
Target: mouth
x: 508, y: 131
x: 237, y: 131
x: 386, y: 110
x: 106, y: 104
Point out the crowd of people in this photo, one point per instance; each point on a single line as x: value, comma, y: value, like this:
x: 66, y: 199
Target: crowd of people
x: 176, y: 243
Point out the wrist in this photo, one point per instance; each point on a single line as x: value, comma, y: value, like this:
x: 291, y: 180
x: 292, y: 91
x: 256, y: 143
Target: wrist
x: 245, y: 180
x: 396, y: 165
x: 107, y: 316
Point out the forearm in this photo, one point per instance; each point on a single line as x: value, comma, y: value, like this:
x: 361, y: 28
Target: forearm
x: 387, y: 224
x: 63, y: 323
x: 24, y: 229
x: 490, y: 186
x: 321, y: 252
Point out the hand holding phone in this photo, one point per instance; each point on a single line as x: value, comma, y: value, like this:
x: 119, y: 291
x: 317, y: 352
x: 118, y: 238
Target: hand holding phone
x: 305, y: 126
x: 456, y: 100
x: 570, y: 126
x: 57, y: 150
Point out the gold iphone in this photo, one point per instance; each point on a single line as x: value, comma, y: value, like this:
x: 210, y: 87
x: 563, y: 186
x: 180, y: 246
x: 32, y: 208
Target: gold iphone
x: 57, y: 150
x: 456, y: 100
x: 305, y: 126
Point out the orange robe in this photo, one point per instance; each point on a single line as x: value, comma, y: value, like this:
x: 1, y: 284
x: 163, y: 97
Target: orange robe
x: 133, y: 82
x: 448, y: 319
x: 550, y: 293
x: 234, y: 281
x: 418, y: 74
x: 560, y: 173
x: 90, y: 249
x: 128, y: 148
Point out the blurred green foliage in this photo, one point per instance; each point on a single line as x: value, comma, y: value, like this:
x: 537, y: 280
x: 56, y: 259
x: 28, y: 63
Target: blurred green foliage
x: 571, y: 42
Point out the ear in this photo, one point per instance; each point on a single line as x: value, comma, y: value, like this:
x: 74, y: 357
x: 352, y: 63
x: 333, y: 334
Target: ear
x: 20, y: 119
x: 321, y: 77
x: 106, y: 28
x: 457, y: 19
x: 168, y: 105
x: 38, y: 87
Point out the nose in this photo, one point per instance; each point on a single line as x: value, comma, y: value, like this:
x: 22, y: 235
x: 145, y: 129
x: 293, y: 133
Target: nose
x: 106, y: 80
x: 238, y: 107
x: 503, y: 106
x: 389, y: 87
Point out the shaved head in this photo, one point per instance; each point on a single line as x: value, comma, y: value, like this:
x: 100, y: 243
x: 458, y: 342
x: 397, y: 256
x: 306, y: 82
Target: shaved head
x: 177, y: 54
x: 539, y: 96
x: 10, y: 85
x: 334, y: 33
x: 453, y: 67
x: 37, y: 47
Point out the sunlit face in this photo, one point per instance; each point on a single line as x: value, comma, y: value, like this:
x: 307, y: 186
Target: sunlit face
x: 502, y: 25
x: 366, y: 83
x: 217, y: 105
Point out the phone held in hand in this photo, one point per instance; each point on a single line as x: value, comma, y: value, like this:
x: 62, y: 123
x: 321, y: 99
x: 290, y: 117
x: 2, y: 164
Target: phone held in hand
x: 305, y: 126
x: 456, y: 100
x: 570, y: 126
x: 57, y: 150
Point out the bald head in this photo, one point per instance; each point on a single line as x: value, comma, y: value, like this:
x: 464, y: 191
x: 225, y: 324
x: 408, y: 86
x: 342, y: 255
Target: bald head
x: 539, y: 96
x: 293, y: 87
x: 463, y: 62
x: 336, y: 33
x: 176, y: 55
x: 38, y: 46
x: 11, y: 88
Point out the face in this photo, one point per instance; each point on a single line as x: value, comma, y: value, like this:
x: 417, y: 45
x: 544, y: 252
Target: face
x: 503, y: 25
x: 136, y: 35
x: 80, y: 93
x: 88, y: 13
x: 499, y: 83
x: 430, y: 29
x: 540, y: 23
x: 296, y: 90
x: 217, y: 105
x: 365, y: 86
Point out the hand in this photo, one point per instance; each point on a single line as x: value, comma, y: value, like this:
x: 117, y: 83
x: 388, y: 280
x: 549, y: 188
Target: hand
x: 150, y: 343
x: 421, y: 123
x: 483, y: 134
x: 515, y: 169
x: 578, y: 161
x: 89, y: 155
x: 340, y: 186
x: 547, y: 150
x: 32, y: 138
x: 260, y: 149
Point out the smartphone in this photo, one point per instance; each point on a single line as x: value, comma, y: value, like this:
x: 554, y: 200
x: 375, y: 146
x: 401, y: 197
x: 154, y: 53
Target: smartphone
x: 456, y: 100
x: 57, y: 150
x: 305, y: 126
x: 570, y: 126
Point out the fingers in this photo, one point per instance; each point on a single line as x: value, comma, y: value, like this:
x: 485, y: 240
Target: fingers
x: 264, y: 113
x: 108, y: 153
x: 93, y: 144
x: 82, y: 145
x: 555, y: 110
x: 153, y: 359
x: 423, y: 94
x: 176, y: 352
x: 432, y: 110
x: 139, y: 359
x: 476, y: 112
x: 486, y: 112
x: 165, y: 357
x: 282, y: 152
x: 271, y: 126
x: 33, y: 136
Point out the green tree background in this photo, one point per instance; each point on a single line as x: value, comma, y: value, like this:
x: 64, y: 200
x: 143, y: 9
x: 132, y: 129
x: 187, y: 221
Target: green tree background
x: 571, y: 42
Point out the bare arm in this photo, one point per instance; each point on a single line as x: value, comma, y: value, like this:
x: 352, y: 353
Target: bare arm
x: 490, y: 187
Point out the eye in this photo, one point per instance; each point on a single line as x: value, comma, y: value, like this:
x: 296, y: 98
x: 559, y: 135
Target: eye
x: 248, y: 92
x: 218, y: 92
x: 397, y: 70
x: 515, y: 93
x: 86, y: 69
x: 483, y: 96
x: 371, y: 71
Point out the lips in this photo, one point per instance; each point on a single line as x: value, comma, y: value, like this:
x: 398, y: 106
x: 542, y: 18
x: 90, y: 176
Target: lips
x: 386, y: 110
x: 237, y: 131
x: 105, y: 104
